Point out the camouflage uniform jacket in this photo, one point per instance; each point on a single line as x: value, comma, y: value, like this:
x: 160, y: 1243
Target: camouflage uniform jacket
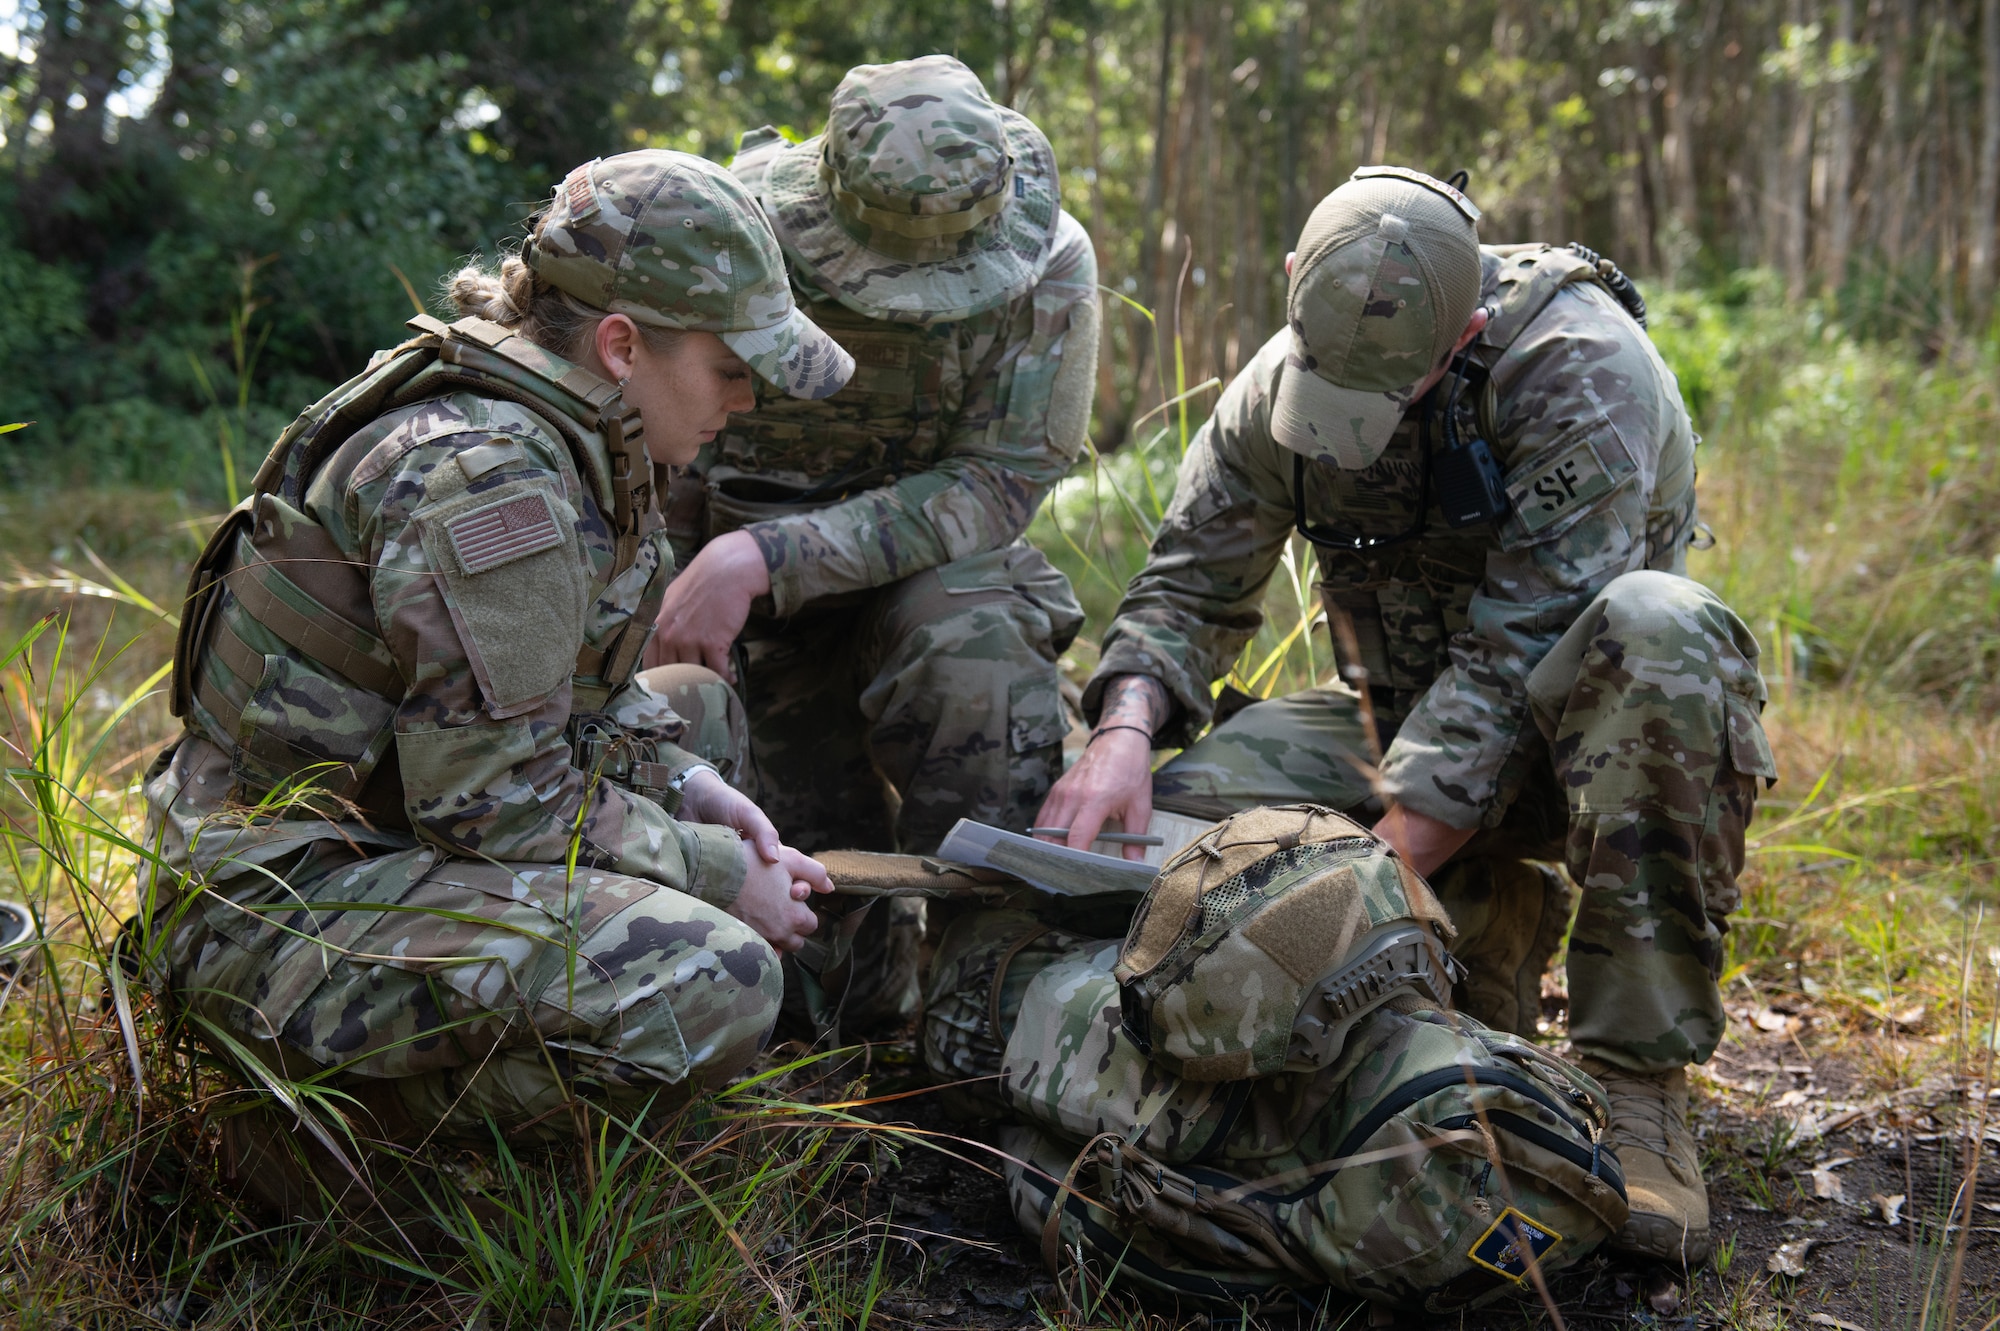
x: 1587, y: 423
x: 483, y: 731
x: 941, y: 446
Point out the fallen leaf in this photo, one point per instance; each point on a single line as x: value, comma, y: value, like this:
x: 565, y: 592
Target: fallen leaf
x: 1890, y: 1208
x: 1909, y: 1016
x: 1666, y: 1301
x: 1790, y: 1258
x: 1827, y: 1319
x: 1826, y: 1186
x: 1767, y: 1020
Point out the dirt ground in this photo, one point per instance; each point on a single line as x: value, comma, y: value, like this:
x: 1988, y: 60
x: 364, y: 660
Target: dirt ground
x: 1831, y: 1163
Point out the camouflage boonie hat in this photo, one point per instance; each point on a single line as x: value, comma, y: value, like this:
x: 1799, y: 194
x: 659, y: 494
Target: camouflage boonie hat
x: 1262, y: 942
x: 674, y: 241
x: 924, y: 201
x: 1386, y: 277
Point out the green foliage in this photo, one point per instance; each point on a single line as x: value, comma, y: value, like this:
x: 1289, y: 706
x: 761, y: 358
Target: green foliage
x: 1854, y: 489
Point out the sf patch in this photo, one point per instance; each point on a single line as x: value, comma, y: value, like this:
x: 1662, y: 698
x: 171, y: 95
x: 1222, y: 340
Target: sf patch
x: 1562, y: 482
x: 502, y: 532
x: 1510, y: 1243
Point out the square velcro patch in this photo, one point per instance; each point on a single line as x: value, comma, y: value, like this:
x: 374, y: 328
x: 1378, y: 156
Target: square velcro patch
x: 502, y: 532
x: 1510, y: 1243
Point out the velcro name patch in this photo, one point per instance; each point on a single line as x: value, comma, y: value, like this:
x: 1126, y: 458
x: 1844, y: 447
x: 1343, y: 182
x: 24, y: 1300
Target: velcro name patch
x: 1510, y: 1242
x: 487, y: 538
x: 1551, y: 488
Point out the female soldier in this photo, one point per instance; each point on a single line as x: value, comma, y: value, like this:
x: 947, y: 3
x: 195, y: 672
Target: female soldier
x: 422, y: 823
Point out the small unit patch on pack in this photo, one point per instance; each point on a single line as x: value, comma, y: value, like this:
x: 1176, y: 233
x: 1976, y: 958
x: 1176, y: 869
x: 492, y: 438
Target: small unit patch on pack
x: 500, y: 533
x: 1548, y: 491
x: 1510, y: 1242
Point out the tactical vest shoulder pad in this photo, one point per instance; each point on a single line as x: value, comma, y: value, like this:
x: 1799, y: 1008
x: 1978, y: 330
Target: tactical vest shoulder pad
x: 1530, y: 277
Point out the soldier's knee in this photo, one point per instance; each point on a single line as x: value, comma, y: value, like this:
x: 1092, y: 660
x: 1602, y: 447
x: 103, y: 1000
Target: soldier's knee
x: 718, y: 729
x: 1649, y: 605
x: 667, y: 679
x: 1680, y: 623
x: 697, y: 991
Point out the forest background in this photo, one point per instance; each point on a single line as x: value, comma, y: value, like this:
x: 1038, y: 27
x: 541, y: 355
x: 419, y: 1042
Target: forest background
x: 163, y: 163
x: 213, y: 211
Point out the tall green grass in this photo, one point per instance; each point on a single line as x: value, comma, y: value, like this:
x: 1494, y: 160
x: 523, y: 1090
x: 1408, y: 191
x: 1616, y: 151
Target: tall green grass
x: 117, y: 1199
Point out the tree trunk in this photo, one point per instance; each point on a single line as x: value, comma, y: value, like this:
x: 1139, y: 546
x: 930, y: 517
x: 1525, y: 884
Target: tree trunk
x: 1111, y: 414
x: 1795, y: 211
x: 1291, y: 107
x: 1840, y: 153
x: 1156, y: 194
x: 1986, y: 195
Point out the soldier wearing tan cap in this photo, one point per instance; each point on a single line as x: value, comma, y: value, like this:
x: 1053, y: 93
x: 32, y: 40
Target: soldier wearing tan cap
x: 1496, y: 473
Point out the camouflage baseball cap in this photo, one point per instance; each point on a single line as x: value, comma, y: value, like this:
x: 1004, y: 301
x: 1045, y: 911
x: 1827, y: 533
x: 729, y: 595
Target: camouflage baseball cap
x: 1386, y: 277
x: 924, y: 201
x: 674, y: 241
x: 1262, y: 943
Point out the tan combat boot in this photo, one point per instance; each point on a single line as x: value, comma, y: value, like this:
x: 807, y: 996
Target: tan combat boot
x: 1649, y: 1130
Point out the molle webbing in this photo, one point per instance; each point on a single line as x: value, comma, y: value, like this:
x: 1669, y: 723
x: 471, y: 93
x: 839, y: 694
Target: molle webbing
x: 301, y: 588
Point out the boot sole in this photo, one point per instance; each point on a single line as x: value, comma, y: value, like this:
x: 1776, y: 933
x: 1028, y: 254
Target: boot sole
x: 1663, y: 1239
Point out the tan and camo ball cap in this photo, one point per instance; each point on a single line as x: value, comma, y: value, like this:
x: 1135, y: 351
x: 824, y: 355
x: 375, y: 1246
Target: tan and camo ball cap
x: 1386, y: 278
x: 674, y: 241
x: 924, y: 201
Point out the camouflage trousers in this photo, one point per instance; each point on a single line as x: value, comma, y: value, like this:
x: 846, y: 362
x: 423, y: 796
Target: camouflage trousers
x: 879, y: 719
x: 440, y: 992
x: 1642, y: 779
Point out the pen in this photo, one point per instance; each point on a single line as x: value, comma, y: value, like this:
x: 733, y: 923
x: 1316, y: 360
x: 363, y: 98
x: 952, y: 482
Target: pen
x: 1118, y: 838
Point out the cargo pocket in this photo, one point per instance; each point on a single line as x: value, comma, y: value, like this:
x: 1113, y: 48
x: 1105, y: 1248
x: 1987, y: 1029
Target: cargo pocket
x: 302, y: 726
x: 1749, y: 747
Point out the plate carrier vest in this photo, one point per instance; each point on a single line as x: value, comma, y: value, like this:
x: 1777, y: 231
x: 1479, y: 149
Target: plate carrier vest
x: 282, y: 569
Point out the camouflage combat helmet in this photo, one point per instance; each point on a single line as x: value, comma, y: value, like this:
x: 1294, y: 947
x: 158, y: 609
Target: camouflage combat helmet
x: 674, y: 241
x: 1261, y: 943
x: 924, y: 201
x: 1386, y: 277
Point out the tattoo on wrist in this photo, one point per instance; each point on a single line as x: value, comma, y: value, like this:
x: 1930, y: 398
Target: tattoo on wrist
x: 1136, y: 702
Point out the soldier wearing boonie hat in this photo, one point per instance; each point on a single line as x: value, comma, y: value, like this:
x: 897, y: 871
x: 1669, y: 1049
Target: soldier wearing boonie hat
x: 414, y: 651
x: 1496, y: 472
x: 859, y: 558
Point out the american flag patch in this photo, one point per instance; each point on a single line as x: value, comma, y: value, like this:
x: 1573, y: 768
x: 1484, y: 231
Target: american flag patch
x: 503, y: 532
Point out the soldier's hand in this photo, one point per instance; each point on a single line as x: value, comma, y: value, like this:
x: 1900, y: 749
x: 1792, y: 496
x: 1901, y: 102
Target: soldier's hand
x: 774, y: 895
x: 1113, y: 779
x: 707, y: 798
x: 707, y: 604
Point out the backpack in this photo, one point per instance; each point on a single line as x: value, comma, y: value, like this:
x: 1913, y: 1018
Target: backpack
x: 1416, y: 1158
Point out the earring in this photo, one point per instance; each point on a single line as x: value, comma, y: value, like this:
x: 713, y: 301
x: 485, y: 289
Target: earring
x: 626, y: 380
